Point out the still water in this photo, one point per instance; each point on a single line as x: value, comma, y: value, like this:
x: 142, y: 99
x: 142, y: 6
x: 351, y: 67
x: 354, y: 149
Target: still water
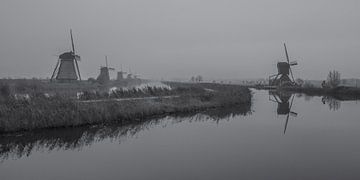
x: 282, y: 137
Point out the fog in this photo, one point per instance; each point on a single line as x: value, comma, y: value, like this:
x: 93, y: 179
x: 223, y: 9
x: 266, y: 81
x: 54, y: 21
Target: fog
x: 180, y: 38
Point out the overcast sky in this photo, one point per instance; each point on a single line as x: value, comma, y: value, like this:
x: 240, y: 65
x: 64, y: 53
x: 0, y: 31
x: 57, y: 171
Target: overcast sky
x: 180, y: 38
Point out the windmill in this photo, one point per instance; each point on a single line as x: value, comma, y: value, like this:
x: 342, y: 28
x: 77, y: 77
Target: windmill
x: 284, y: 105
x: 65, y: 69
x: 129, y: 75
x: 120, y: 74
x: 284, y: 70
x: 104, y: 75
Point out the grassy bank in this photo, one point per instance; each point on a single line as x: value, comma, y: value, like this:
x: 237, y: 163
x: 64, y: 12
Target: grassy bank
x: 60, y: 111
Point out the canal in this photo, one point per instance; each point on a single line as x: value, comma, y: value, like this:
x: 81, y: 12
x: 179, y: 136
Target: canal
x: 283, y: 136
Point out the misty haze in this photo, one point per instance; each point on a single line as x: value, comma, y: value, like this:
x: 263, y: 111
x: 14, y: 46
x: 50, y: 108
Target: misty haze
x: 179, y: 89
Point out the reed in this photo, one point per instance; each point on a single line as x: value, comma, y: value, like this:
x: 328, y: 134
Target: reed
x: 61, y: 111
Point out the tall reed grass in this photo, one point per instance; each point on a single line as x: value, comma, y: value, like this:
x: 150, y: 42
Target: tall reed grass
x: 61, y: 111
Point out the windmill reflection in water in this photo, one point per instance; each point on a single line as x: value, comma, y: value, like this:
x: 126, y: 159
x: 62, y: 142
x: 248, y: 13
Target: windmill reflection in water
x: 284, y: 104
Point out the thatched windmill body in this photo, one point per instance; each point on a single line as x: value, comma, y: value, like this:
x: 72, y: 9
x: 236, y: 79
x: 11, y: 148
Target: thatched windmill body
x: 67, y: 68
x: 284, y: 70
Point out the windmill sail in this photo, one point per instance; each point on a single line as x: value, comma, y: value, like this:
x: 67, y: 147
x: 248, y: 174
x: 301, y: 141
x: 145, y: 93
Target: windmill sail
x: 288, y: 60
x: 76, y: 57
x: 290, y: 113
x: 72, y: 42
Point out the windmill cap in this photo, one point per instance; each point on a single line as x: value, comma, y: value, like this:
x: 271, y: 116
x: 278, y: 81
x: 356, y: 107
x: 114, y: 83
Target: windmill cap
x: 67, y: 55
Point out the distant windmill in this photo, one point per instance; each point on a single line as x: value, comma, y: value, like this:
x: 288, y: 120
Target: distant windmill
x: 120, y: 74
x: 129, y: 75
x: 65, y: 67
x: 104, y: 75
x: 284, y: 70
x: 284, y: 105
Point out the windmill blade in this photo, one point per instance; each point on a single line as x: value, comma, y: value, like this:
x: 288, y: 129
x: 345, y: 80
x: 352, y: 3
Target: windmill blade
x: 292, y: 100
x: 286, y: 123
x: 291, y: 73
x: 277, y: 99
x: 106, y: 62
x: 286, y: 53
x: 53, y: 74
x: 288, y: 60
x: 293, y: 63
x: 78, y: 70
x: 113, y: 69
x: 293, y: 114
x: 72, y: 41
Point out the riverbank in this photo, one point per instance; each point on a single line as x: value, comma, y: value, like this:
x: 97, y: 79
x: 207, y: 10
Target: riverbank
x: 59, y: 111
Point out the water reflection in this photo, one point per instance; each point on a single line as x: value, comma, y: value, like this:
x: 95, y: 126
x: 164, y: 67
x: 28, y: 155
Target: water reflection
x: 284, y: 104
x: 23, y: 144
x: 333, y: 103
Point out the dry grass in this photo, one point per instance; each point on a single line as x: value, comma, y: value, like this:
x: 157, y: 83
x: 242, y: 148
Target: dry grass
x: 61, y: 111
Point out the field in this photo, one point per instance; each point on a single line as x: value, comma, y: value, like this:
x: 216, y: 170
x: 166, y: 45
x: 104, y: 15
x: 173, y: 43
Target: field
x: 38, y: 111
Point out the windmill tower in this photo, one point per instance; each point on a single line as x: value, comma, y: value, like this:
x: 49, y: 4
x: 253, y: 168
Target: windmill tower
x: 284, y: 70
x: 67, y: 68
x: 104, y: 75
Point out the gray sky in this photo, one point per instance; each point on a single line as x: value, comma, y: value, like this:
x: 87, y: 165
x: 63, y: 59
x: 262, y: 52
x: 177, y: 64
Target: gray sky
x: 180, y: 38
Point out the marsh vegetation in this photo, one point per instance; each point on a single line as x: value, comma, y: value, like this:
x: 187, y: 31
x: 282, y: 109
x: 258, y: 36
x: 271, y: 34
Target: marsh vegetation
x: 37, y: 111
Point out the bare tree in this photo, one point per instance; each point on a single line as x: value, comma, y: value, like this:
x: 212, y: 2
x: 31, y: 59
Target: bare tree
x: 333, y: 78
x: 192, y: 79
